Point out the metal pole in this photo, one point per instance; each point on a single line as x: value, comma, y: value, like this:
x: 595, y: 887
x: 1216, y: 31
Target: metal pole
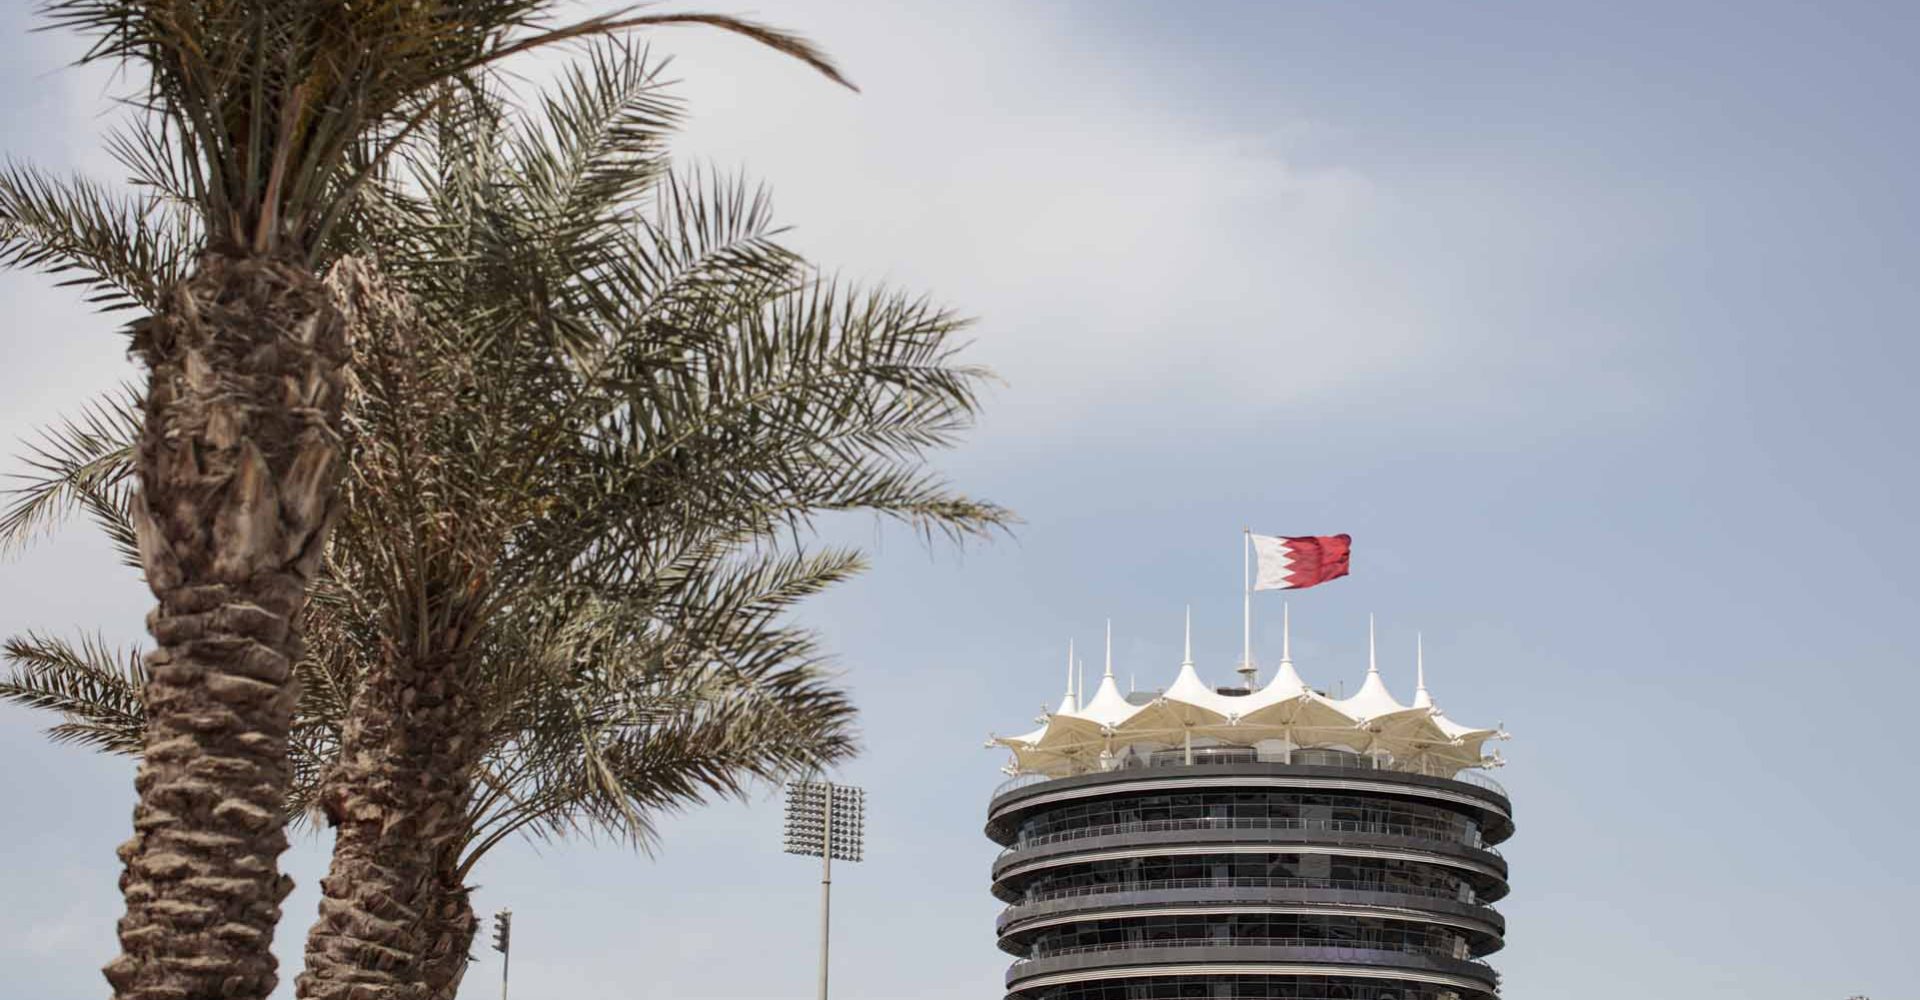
x: 1246, y: 606
x: 826, y: 886
x: 503, y: 943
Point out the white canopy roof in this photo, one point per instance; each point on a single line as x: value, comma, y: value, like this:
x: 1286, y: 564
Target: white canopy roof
x: 1096, y: 733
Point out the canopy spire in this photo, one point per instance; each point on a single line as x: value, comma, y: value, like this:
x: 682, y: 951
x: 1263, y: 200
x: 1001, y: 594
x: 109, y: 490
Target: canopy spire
x: 1286, y: 632
x: 1073, y: 695
x: 1109, y: 672
x: 1286, y: 677
x: 1373, y: 664
x: 1421, y: 699
x: 1187, y: 661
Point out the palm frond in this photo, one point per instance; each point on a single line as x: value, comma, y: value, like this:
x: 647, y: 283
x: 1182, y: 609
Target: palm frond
x: 692, y: 687
x: 95, y: 688
x: 597, y: 143
x: 84, y: 462
x: 121, y: 251
x: 774, y: 38
x: 281, y: 112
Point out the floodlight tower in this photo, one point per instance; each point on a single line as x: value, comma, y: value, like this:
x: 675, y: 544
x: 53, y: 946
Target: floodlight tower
x: 502, y: 942
x: 826, y: 821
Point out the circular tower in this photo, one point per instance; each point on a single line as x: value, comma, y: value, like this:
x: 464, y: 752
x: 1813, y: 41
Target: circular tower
x: 1271, y: 843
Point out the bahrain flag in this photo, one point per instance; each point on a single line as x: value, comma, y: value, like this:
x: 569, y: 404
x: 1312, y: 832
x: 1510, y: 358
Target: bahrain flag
x: 1293, y: 563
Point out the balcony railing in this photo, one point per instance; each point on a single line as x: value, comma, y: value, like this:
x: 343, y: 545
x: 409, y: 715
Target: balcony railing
x: 1233, y: 823
x: 1205, y: 756
x: 1464, y: 894
x: 1338, y: 949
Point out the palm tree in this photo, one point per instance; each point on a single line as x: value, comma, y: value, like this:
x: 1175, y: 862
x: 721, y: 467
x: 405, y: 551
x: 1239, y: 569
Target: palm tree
x: 579, y: 736
x: 273, y: 114
x: 564, y: 751
x: 572, y: 425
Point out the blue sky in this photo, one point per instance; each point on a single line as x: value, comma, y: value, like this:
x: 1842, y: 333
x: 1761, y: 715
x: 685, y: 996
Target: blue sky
x: 1592, y: 324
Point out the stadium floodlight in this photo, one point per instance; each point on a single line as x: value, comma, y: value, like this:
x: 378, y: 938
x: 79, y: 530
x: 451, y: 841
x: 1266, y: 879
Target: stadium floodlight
x: 502, y: 941
x: 826, y: 821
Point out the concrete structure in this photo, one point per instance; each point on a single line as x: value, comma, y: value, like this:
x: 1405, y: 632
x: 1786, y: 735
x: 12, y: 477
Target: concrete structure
x: 1272, y: 843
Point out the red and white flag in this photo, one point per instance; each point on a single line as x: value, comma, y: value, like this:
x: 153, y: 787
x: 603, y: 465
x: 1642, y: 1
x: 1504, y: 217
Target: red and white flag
x: 1293, y: 563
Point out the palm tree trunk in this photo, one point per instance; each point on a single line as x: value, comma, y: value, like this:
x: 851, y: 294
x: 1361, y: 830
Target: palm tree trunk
x: 397, y: 799
x: 450, y: 940
x: 238, y: 463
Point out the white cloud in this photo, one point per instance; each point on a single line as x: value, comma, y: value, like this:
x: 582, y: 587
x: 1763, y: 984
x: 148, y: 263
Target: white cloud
x: 1108, y: 237
x: 1133, y: 257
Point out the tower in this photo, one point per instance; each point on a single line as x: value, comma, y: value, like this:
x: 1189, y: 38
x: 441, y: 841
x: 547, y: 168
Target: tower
x: 1230, y: 843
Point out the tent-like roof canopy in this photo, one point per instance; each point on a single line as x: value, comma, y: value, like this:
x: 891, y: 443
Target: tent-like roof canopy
x: 1101, y: 732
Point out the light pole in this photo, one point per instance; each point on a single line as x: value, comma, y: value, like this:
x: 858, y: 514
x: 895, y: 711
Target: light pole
x: 503, y: 940
x: 827, y: 821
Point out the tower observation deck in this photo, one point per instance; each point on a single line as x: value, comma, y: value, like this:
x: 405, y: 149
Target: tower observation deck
x: 1272, y: 843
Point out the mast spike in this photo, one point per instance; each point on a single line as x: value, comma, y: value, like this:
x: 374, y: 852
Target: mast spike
x: 1073, y: 693
x: 1421, y: 699
x: 1373, y: 663
x: 1109, y: 672
x: 1286, y: 632
x: 1187, y: 661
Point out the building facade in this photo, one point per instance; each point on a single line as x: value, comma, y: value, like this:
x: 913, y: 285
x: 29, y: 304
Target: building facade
x: 1257, y: 842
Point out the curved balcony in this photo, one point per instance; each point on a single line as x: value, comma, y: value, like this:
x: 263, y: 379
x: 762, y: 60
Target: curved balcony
x: 1261, y: 942
x: 1387, y: 928
x: 1021, y: 924
x: 1150, y: 885
x: 1270, y: 824
x: 1244, y: 768
x: 1228, y: 892
x: 1295, y: 956
x: 1486, y: 870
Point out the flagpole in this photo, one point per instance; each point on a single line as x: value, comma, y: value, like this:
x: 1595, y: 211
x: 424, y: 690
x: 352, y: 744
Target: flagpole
x: 1246, y: 606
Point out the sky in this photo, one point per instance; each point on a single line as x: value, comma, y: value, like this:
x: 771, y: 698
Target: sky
x: 1593, y: 325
